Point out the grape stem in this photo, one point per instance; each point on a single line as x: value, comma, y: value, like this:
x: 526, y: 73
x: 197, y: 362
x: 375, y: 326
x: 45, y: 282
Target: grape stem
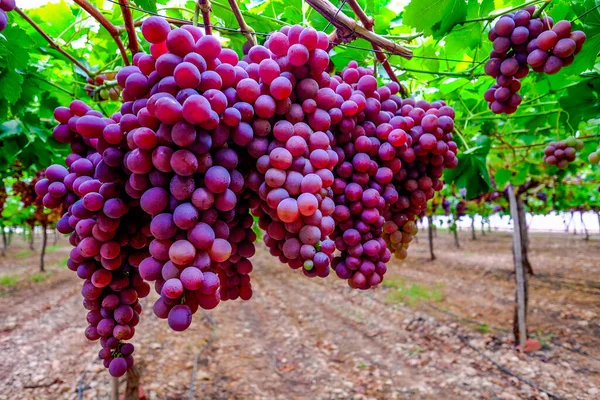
x: 529, y: 146
x: 132, y: 41
x: 368, y: 23
x: 348, y: 29
x: 203, y: 6
x: 52, y: 43
x: 109, y: 26
x: 246, y: 30
x: 539, y: 11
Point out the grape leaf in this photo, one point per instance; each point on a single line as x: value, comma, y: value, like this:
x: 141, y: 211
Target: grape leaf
x: 149, y: 5
x: 582, y: 100
x: 54, y: 18
x: 501, y: 178
x: 471, y: 172
x: 14, y: 51
x: 435, y: 17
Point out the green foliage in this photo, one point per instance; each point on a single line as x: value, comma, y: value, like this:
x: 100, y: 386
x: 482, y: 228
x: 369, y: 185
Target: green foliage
x: 9, y: 280
x: 472, y: 172
x: 412, y: 294
x: 39, y: 277
x: 435, y: 17
x: 450, y: 45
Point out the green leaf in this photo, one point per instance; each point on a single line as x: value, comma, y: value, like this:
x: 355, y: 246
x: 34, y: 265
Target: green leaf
x: 53, y: 18
x: 435, y: 17
x: 582, y: 101
x: 14, y: 51
x: 501, y: 178
x: 149, y: 5
x: 10, y: 85
x: 586, y: 59
x: 471, y: 172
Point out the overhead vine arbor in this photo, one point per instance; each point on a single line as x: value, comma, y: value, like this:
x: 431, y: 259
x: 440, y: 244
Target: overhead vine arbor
x: 162, y: 131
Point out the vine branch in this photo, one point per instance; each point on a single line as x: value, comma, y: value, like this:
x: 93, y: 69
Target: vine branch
x: 368, y: 23
x: 203, y: 6
x: 52, y: 43
x: 132, y: 41
x: 246, y: 30
x: 539, y: 11
x: 348, y: 29
x: 112, y: 29
x: 529, y: 146
x: 494, y: 16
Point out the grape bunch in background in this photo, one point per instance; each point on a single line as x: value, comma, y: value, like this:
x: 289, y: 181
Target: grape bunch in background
x: 105, y: 93
x: 594, y: 157
x: 164, y: 191
x: 5, y: 6
x: 563, y: 152
x: 521, y: 41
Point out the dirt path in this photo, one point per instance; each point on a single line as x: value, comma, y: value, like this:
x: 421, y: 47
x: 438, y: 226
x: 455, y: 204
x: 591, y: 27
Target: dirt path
x: 317, y: 339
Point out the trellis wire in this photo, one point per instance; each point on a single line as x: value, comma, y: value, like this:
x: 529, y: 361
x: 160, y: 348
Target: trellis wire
x: 335, y: 15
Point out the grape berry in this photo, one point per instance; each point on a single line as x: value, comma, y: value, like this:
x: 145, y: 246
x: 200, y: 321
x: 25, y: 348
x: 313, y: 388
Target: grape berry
x: 563, y: 152
x: 521, y: 41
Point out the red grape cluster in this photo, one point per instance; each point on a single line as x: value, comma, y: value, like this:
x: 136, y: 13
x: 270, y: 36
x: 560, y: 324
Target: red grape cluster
x: 428, y: 150
x: 109, y: 231
x: 295, y: 159
x: 5, y: 6
x: 99, y: 91
x: 563, y: 152
x: 163, y: 190
x: 521, y: 41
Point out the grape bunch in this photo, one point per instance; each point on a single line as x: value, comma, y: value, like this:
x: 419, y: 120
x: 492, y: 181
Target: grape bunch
x: 521, y: 41
x: 108, y: 230
x: 295, y: 159
x: 563, y: 152
x: 594, y: 157
x: 164, y: 191
x: 5, y: 6
x: 555, y: 48
x: 105, y: 92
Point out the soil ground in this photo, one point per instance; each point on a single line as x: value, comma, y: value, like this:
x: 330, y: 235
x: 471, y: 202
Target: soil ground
x: 432, y: 331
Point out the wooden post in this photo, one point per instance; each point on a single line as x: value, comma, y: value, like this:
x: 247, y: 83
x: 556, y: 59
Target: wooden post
x: 520, y: 328
x: 455, y: 232
x: 473, y: 236
x: 114, y: 394
x: 4, y: 244
x: 524, y: 236
x: 430, y: 232
x: 31, y: 239
x: 587, y: 235
x: 44, y: 242
x: 132, y: 390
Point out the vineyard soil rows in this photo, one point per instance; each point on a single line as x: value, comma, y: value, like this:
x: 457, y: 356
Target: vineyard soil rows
x: 306, y: 339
